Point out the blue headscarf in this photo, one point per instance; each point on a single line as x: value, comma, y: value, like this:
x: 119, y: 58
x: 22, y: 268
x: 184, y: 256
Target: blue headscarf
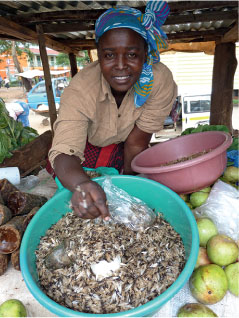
x: 148, y: 25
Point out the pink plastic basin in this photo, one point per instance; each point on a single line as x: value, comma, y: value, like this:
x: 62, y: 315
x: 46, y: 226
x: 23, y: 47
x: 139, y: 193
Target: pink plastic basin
x: 190, y: 175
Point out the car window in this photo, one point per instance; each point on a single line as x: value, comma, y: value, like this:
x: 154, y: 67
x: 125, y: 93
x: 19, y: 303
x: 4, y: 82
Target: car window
x: 197, y: 104
x: 40, y: 89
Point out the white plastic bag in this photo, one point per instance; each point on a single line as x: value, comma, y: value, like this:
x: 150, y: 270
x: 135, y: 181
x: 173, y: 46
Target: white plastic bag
x: 222, y: 206
x: 126, y: 209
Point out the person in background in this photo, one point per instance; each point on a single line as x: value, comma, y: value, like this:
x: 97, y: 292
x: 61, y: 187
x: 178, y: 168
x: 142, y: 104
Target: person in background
x: 112, y: 107
x: 59, y: 89
x: 6, y: 82
x: 1, y: 81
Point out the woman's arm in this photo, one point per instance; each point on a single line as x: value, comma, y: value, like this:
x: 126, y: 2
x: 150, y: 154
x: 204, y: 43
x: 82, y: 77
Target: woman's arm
x: 136, y: 142
x: 88, y: 198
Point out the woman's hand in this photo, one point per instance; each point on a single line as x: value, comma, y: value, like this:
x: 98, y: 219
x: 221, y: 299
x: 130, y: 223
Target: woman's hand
x: 89, y: 201
x: 88, y: 198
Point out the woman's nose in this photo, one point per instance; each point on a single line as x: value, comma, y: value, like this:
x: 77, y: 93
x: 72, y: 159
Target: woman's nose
x: 121, y: 62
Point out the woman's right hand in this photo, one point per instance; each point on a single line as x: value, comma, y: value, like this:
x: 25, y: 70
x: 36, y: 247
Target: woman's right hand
x: 89, y: 201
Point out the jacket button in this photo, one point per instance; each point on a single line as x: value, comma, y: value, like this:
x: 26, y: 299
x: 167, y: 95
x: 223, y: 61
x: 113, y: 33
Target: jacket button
x: 72, y: 151
x: 119, y: 115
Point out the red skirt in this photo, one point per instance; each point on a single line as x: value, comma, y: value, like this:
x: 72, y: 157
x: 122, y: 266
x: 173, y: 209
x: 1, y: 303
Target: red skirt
x: 109, y: 156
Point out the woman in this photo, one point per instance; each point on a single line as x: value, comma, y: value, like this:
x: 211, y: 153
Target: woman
x: 111, y: 108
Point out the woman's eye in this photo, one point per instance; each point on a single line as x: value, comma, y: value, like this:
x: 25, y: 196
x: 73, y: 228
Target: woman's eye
x: 109, y: 55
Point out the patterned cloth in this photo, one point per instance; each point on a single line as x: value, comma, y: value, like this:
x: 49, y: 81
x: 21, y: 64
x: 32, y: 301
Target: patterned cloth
x: 148, y: 25
x: 109, y: 156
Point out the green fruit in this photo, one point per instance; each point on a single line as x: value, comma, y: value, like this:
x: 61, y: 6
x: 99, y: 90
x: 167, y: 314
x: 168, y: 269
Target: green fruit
x: 206, y: 190
x: 222, y: 250
x: 13, y: 308
x: 202, y: 257
x: 232, y: 273
x: 198, y: 198
x: 208, y: 284
x: 231, y: 174
x: 195, y: 310
x: 189, y: 205
x: 206, y: 229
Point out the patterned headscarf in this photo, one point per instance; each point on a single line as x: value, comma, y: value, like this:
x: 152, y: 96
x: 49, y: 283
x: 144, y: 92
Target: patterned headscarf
x: 148, y: 25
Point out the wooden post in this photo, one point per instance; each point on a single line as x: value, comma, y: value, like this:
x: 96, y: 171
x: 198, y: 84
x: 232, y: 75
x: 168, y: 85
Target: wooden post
x: 47, y: 75
x: 224, y: 68
x: 73, y: 64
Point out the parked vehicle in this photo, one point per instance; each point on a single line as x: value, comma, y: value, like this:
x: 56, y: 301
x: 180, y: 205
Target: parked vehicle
x: 195, y: 108
x: 37, y: 97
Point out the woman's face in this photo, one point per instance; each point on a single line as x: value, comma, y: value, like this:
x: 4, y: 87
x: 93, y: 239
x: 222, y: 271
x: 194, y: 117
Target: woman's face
x: 121, y: 53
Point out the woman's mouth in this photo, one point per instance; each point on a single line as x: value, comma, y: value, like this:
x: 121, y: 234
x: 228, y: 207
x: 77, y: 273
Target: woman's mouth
x: 121, y: 79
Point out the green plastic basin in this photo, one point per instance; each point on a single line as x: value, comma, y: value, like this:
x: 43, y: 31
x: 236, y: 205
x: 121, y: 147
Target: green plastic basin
x: 157, y: 196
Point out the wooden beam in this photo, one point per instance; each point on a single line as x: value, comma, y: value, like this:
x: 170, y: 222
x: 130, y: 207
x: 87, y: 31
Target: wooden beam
x: 16, y: 30
x: 197, y: 34
x: 224, y: 68
x: 73, y: 63
x: 59, y: 16
x: 47, y: 75
x: 202, y: 17
x: 231, y: 35
x: 67, y: 27
x: 22, y: 33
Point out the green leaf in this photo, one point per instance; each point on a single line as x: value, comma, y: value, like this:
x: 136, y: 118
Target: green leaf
x: 202, y: 128
x: 5, y: 145
x: 13, y: 135
x: 234, y: 145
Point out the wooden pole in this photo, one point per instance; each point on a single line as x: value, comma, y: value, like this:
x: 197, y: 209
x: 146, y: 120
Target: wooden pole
x: 73, y: 63
x: 47, y: 75
x: 224, y: 68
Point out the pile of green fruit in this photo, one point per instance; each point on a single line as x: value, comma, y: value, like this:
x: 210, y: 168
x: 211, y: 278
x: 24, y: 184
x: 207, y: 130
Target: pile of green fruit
x: 196, y: 199
x: 216, y: 271
x: 217, y: 268
x: 13, y: 308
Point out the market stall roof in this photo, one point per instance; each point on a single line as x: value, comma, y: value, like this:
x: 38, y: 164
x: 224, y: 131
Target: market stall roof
x: 68, y: 26
x: 34, y: 73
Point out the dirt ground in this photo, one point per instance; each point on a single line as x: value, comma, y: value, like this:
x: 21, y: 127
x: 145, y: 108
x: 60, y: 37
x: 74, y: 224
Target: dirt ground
x: 38, y: 122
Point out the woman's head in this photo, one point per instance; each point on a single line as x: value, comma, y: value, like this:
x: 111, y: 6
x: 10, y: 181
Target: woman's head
x: 122, y: 53
x: 144, y: 27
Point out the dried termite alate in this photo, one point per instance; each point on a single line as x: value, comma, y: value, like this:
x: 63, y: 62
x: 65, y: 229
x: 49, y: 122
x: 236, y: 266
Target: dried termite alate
x: 148, y: 262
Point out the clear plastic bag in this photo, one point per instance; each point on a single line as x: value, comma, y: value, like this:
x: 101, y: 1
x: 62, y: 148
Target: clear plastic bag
x: 222, y: 206
x: 126, y: 209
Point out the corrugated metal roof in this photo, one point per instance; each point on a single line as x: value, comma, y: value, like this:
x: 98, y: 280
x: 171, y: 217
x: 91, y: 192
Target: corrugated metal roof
x: 71, y: 23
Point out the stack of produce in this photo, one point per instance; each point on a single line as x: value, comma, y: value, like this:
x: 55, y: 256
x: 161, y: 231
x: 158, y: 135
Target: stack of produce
x: 196, y: 199
x: 16, y: 210
x: 217, y: 268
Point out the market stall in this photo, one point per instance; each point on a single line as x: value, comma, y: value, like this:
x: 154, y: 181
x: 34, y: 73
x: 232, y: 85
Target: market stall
x: 32, y: 22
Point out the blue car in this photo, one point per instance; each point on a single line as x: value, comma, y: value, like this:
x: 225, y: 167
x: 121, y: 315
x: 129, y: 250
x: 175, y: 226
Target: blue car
x: 38, y: 96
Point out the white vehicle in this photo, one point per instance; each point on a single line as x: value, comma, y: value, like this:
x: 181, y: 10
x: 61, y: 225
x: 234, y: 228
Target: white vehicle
x: 195, y: 108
